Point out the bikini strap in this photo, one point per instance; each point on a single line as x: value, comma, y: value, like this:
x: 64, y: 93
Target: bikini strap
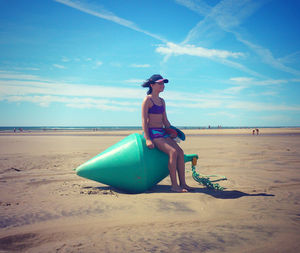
x: 156, y: 104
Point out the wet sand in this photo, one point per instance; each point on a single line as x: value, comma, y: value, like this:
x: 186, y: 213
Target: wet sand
x: 46, y: 207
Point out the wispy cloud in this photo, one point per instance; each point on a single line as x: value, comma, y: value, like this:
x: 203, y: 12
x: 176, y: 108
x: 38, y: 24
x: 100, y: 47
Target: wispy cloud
x: 97, y: 64
x: 116, y: 64
x: 65, y: 59
x: 226, y: 17
x: 100, y: 12
x: 256, y: 106
x: 58, y: 66
x: 134, y: 81
x: 200, y: 6
x: 16, y: 87
x: 22, y: 89
x: 17, y: 76
x: 290, y: 58
x: 267, y: 56
x: 252, y: 81
x: 174, y: 49
x: 76, y: 102
x: 25, y: 68
x: 227, y: 14
x: 235, y: 89
x: 140, y: 65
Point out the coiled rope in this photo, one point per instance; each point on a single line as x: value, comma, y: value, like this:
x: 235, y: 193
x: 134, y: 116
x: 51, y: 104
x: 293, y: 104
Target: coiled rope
x: 205, y: 179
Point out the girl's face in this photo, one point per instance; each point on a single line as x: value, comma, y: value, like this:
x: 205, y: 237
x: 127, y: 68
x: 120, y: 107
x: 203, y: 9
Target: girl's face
x: 159, y: 87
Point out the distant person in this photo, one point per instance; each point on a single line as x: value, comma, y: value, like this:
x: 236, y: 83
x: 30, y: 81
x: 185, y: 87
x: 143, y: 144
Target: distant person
x: 253, y: 131
x: 257, y: 131
x: 155, y: 123
x: 15, y: 130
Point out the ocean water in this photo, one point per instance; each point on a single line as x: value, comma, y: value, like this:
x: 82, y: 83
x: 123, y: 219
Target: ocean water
x: 67, y: 128
x: 115, y: 128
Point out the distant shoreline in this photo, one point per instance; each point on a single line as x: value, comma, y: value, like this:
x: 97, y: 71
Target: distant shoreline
x: 127, y: 128
x: 125, y: 131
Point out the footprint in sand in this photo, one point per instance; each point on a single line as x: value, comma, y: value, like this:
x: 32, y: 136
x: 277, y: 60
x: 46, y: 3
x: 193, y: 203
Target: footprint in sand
x: 12, y: 169
x: 95, y: 190
x: 18, y: 242
x: 8, y: 203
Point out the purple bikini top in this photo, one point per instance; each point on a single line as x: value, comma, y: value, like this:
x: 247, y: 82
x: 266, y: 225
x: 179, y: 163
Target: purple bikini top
x: 156, y: 109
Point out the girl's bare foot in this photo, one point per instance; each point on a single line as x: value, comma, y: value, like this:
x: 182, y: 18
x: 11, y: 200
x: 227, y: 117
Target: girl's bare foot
x: 178, y: 189
x: 188, y: 188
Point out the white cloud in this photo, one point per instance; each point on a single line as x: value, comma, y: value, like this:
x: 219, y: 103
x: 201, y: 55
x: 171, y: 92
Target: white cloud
x: 174, y: 49
x: 234, y: 90
x: 58, y: 66
x: 116, y: 64
x: 200, y: 7
x: 25, y: 68
x: 226, y: 17
x: 97, y: 64
x: 45, y: 101
x: 65, y: 59
x: 140, y: 65
x: 267, y: 56
x: 134, y: 81
x: 105, y: 97
x: 252, y: 81
x: 15, y: 87
x: 241, y: 79
x: 239, y: 66
x: 100, y: 12
x: 291, y: 58
x: 257, y: 106
x: 16, y: 75
x: 203, y: 104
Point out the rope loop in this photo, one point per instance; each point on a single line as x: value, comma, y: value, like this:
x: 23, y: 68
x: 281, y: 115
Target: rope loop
x: 205, y: 180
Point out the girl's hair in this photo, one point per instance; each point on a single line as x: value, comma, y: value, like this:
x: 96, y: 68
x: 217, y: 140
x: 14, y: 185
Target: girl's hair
x: 152, y: 80
x: 148, y: 84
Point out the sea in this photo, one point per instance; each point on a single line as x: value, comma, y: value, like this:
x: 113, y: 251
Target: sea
x: 116, y: 128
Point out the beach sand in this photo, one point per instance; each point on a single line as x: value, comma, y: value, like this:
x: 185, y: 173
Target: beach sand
x: 46, y: 207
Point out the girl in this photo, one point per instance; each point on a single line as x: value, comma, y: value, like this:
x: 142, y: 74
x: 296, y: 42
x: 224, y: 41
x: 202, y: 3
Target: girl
x: 154, y: 123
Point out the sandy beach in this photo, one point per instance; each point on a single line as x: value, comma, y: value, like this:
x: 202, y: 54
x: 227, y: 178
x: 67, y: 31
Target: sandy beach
x: 46, y: 207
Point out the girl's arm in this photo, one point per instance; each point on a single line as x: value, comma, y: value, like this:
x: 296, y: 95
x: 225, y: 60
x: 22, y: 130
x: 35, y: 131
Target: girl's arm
x: 145, y: 106
x: 165, y: 118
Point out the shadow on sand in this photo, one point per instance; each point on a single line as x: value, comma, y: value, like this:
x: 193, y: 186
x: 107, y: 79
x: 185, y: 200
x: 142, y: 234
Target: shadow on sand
x: 166, y: 189
x: 217, y: 194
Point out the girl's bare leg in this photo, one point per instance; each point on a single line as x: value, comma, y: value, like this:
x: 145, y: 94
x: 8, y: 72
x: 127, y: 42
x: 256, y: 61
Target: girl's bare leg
x: 164, y: 145
x: 180, y: 164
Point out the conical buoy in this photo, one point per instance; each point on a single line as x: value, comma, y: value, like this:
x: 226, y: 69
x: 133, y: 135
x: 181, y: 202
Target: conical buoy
x: 129, y: 165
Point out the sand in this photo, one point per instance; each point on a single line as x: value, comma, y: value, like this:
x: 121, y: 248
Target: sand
x: 46, y: 207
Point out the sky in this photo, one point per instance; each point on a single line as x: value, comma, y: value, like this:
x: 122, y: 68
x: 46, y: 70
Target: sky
x: 82, y: 62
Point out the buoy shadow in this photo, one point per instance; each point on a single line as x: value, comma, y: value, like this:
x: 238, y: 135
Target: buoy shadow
x: 234, y: 194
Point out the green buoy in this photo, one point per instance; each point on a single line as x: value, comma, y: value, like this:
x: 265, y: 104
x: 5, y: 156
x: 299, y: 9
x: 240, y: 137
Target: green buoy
x: 129, y: 165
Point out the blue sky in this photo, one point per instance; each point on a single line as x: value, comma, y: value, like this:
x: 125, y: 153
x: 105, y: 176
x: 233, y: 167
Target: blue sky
x: 81, y: 62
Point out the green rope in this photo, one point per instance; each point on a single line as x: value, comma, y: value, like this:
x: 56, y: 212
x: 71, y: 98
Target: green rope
x: 205, y: 180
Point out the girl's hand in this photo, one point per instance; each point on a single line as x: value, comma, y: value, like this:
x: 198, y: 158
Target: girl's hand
x: 149, y: 144
x: 171, y: 132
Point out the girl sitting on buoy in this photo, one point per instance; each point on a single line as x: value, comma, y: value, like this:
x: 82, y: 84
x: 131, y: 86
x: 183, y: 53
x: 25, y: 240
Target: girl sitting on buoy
x: 155, y: 126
